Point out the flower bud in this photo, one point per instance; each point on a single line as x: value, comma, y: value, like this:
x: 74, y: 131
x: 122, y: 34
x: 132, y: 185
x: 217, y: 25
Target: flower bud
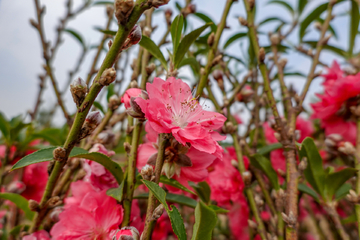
x: 123, y: 9
x: 211, y: 39
x: 243, y: 21
x: 127, y: 233
x: 150, y: 69
x: 16, y: 187
x: 247, y: 177
x: 275, y: 39
x: 135, y: 110
x: 168, y: 13
x: 158, y: 212
x: 131, y: 92
x: 78, y: 89
x: 216, y: 60
x: 169, y: 169
x: 133, y: 38
x: 217, y: 74
x: 108, y: 76
x: 105, y: 137
x: 92, y: 120
x: 246, y: 94
x: 147, y: 172
x: 114, y: 102
x: 252, y: 224
x: 347, y: 148
x: 261, y: 54
x: 134, y: 84
x: 54, y: 215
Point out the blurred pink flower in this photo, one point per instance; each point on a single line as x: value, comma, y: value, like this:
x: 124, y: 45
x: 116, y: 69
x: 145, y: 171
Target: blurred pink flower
x: 162, y: 228
x: 171, y: 108
x: 225, y: 180
x: 97, y: 174
x: 132, y: 92
x: 35, y: 178
x: 333, y: 74
x: 238, y: 219
x: 97, y: 216
x: 39, y: 235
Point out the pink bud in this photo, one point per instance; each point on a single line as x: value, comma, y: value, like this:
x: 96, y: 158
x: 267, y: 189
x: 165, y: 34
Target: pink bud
x: 16, y: 187
x: 127, y: 233
x: 94, y: 118
x: 217, y: 74
x: 133, y: 38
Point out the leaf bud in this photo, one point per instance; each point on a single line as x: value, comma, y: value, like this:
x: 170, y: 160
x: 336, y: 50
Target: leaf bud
x: 150, y: 69
x: 110, y: 43
x: 34, y: 205
x: 147, y: 172
x: 59, y: 154
x: 107, y: 77
x: 261, y: 55
x: 243, y: 21
x: 34, y: 23
x: 158, y: 212
x: 123, y: 9
x: 169, y: 169
x: 246, y: 94
x: 78, y: 89
x: 275, y: 39
x: 92, y: 120
x: 127, y: 147
x: 211, y: 39
x: 216, y: 60
x: 134, y: 84
x: 252, y: 224
x: 114, y: 102
x: 168, y: 13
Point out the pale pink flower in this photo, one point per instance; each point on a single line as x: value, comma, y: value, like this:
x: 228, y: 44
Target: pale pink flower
x: 39, y: 235
x: 171, y: 108
x: 181, y: 162
x: 97, y: 216
x: 131, y: 92
x: 225, y: 180
x: 97, y: 174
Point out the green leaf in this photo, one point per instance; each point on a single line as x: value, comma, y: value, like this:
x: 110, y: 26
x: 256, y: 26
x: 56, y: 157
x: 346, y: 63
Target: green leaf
x: 264, y: 164
x: 328, y: 47
x: 269, y: 148
x: 51, y: 135
x: 176, y: 29
x: 153, y: 49
x: 335, y: 180
x: 331, y: 29
x: 186, y: 43
x: 174, y: 183
x: 103, y: 3
x: 173, y: 198
x: 284, y: 4
x: 116, y: 192
x: 99, y: 106
x: 206, y: 19
x: 218, y: 209
x: 301, y: 6
x: 205, y: 221
x: 350, y: 219
x: 43, y: 155
x: 77, y: 36
x: 309, y: 191
x: 354, y: 25
x: 4, y: 126
x: 314, y: 173
x: 233, y: 38
x: 342, y: 191
x: 203, y: 190
x: 20, y: 202
x: 17, y: 229
x: 109, y: 32
x: 104, y: 160
x: 176, y: 220
x: 190, y: 61
x: 271, y: 19
x: 110, y: 91
x: 310, y: 18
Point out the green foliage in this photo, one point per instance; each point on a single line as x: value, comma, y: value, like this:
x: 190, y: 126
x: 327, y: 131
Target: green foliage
x: 233, y: 38
x: 176, y: 30
x: 268, y: 148
x: 190, y: 61
x: 174, y: 215
x: 342, y: 191
x: 262, y: 163
x: 354, y: 25
x: 203, y: 191
x: 206, y: 19
x: 284, y: 4
x: 305, y: 189
x: 20, y: 202
x: 12, y: 128
x: 98, y: 106
x: 116, y: 193
x: 149, y: 45
x: 185, y: 44
x: 205, y: 221
x: 173, y: 198
x: 174, y: 183
x: 77, y: 36
x: 334, y: 181
x: 109, y: 32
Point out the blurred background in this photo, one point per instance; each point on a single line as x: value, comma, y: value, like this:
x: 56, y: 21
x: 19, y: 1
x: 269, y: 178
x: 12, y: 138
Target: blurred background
x: 21, y: 54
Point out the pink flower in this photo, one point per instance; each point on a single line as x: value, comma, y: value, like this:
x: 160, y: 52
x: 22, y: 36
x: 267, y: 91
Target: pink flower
x: 127, y: 233
x: 39, y: 235
x: 238, y: 219
x: 334, y: 73
x: 97, y: 216
x: 97, y: 174
x: 131, y: 92
x: 35, y: 178
x: 333, y: 109
x: 162, y: 228
x: 171, y: 108
x: 181, y: 162
x: 225, y: 180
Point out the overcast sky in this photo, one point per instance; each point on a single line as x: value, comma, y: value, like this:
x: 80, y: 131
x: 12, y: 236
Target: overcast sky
x: 21, y: 60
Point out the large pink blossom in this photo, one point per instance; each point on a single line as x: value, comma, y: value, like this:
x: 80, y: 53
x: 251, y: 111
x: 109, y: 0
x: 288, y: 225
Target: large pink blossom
x: 333, y: 109
x: 196, y: 171
x: 225, y: 180
x: 97, y: 174
x: 171, y: 108
x: 96, y: 216
x: 333, y: 74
